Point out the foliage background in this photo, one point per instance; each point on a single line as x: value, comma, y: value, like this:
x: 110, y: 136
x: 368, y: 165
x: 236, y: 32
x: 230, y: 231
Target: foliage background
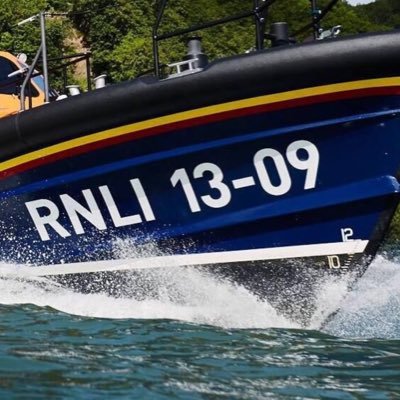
x: 119, y: 32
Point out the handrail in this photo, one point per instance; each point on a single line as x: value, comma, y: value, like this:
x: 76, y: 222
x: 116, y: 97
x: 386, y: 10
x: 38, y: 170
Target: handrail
x: 76, y: 58
x: 28, y: 77
x: 258, y: 12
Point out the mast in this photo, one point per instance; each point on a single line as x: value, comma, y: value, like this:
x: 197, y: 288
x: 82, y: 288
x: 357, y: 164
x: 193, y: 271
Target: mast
x: 44, y: 55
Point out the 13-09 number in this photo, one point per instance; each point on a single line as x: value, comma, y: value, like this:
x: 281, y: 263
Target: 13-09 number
x: 309, y: 162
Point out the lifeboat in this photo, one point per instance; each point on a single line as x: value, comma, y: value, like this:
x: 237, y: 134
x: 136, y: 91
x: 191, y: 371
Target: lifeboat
x: 275, y: 169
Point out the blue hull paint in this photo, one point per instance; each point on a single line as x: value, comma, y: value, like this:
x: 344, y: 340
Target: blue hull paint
x: 356, y: 185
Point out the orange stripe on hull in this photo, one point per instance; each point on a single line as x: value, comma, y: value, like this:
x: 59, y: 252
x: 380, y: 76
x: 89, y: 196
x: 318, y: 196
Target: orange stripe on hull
x: 173, y: 122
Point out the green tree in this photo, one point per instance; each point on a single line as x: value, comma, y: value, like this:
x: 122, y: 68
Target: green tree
x: 26, y: 38
x: 119, y: 32
x: 385, y: 13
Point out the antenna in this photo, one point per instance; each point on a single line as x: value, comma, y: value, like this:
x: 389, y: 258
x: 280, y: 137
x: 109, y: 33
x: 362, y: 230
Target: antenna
x: 30, y: 19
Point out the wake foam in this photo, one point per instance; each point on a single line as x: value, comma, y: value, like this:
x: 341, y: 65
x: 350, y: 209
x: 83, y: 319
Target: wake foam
x: 372, y: 309
x: 190, y: 296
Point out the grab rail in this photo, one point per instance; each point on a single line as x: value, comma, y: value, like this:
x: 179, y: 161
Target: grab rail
x: 27, y: 80
x: 259, y: 12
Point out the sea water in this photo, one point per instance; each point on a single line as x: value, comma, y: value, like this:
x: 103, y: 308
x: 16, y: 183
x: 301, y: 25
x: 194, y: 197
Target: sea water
x: 201, y: 339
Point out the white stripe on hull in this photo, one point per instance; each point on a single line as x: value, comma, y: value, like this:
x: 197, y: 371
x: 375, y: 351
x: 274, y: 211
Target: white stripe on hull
x: 276, y: 253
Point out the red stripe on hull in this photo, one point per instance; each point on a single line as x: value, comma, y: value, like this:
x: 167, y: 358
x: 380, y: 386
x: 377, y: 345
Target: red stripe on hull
x: 352, y: 94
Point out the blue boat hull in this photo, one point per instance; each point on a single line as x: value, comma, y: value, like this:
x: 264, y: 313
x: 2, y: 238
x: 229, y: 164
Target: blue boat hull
x: 308, y: 180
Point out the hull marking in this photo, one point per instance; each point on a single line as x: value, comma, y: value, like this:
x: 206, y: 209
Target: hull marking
x: 243, y: 182
x: 181, y: 260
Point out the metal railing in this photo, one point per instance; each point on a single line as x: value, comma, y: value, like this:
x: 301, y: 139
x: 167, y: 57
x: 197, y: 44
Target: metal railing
x: 42, y: 60
x: 259, y: 13
x: 42, y: 51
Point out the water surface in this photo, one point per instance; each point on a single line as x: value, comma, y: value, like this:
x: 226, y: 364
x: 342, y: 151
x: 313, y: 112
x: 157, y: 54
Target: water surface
x: 217, y: 341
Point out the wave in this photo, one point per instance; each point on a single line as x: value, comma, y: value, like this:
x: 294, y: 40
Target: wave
x: 372, y: 309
